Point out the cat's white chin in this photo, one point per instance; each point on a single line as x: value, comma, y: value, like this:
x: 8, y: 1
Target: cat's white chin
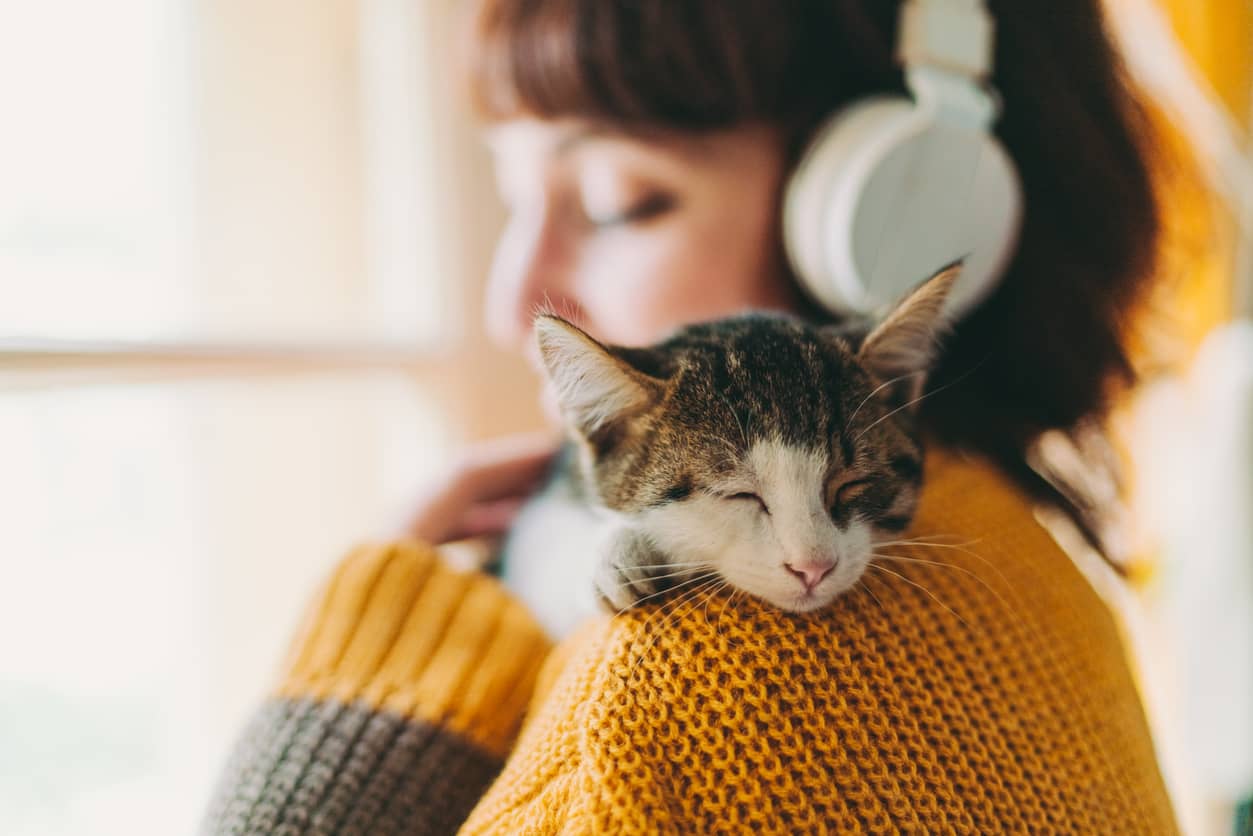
x: 809, y: 600
x: 806, y: 602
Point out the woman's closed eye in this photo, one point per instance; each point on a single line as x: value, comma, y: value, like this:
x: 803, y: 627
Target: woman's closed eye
x: 747, y: 496
x: 642, y: 210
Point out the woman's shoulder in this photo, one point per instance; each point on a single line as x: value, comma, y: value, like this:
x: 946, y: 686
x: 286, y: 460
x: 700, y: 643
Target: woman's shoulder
x: 971, y: 676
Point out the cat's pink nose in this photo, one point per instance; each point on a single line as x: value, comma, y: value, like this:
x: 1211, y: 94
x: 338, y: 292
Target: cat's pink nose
x: 811, y: 573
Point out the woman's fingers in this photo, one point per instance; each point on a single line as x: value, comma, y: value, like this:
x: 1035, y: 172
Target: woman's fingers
x: 482, y: 492
x: 490, y: 519
x: 504, y: 467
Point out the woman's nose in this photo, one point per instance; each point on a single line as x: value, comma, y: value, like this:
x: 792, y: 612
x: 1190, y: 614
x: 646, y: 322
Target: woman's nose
x: 530, y: 269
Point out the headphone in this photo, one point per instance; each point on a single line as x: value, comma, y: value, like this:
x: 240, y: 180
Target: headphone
x: 893, y: 188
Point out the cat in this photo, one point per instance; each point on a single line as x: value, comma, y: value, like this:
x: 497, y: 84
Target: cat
x: 759, y: 449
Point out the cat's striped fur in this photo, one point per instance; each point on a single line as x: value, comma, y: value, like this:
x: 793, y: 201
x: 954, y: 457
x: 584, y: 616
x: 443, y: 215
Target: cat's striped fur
x: 768, y: 451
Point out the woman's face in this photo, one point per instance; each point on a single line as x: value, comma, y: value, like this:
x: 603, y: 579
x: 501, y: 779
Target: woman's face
x: 633, y: 236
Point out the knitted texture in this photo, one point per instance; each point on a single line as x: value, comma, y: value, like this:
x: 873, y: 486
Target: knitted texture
x: 400, y: 697
x: 977, y: 685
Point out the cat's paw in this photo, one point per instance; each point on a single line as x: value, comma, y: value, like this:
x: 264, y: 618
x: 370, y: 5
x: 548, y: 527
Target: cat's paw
x: 620, y: 586
x: 632, y: 571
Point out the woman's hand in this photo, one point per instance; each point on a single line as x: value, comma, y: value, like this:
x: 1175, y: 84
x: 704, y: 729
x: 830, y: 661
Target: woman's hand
x: 483, y: 491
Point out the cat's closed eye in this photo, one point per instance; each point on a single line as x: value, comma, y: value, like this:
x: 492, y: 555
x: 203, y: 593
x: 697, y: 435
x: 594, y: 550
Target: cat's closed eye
x: 749, y: 497
x: 725, y: 413
x: 849, y: 491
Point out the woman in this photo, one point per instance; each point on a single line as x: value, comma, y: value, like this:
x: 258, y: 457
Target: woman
x: 980, y: 686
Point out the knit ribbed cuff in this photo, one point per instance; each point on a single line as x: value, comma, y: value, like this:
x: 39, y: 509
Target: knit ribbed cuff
x: 401, y: 695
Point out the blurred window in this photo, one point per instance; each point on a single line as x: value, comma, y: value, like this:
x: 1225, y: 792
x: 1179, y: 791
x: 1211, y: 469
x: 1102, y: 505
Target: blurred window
x: 224, y: 306
x: 217, y: 171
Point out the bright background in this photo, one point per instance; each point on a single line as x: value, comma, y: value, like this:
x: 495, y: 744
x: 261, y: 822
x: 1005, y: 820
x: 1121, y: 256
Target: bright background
x: 242, y: 245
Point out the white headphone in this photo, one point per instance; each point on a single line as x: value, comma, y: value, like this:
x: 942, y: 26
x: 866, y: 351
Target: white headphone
x: 893, y: 188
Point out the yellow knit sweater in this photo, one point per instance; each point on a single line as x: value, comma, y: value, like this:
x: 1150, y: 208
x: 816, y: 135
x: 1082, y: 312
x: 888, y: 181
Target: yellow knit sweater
x: 981, y: 688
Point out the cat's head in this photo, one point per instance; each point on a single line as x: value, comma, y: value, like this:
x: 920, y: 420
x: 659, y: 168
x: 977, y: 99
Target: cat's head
x: 774, y: 452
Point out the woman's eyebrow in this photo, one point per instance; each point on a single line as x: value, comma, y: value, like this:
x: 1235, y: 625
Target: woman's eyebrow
x: 575, y: 138
x: 585, y: 134
x: 557, y: 148
x: 641, y: 145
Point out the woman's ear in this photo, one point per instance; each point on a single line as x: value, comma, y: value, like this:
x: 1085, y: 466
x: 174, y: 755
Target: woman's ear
x: 903, y: 347
x: 595, y: 387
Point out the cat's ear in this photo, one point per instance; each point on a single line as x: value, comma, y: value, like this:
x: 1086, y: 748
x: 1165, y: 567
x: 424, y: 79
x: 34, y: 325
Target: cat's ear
x: 594, y: 387
x: 902, y: 348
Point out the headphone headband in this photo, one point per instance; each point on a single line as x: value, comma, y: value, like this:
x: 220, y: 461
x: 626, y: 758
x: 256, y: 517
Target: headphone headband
x: 952, y: 35
x: 893, y: 187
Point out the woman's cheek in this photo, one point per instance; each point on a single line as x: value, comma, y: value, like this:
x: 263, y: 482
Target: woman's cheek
x: 628, y: 309
x: 636, y: 287
x: 627, y: 289
x: 707, y: 281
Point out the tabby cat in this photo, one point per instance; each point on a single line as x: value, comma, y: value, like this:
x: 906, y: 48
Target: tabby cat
x: 759, y: 449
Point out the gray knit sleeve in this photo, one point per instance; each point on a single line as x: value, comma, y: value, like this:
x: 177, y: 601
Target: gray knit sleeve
x: 400, y: 697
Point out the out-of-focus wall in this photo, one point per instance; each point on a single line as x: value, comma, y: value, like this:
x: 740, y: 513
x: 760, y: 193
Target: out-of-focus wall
x: 1187, y: 620
x: 209, y: 392
x: 259, y: 210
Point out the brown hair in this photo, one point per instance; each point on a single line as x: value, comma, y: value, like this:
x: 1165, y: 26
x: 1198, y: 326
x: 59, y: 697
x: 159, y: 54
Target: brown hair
x: 1046, y: 351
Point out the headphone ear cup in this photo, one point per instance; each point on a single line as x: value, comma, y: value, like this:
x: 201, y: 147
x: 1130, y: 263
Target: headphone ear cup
x: 886, y: 195
x: 828, y: 170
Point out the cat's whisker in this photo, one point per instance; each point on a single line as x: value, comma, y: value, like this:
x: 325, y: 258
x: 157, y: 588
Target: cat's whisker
x: 698, y: 580
x: 661, y: 609
x: 903, y: 406
x: 717, y: 589
x: 677, y: 574
x: 680, y: 609
x: 735, y: 415
x: 953, y: 566
x: 644, y: 630
x: 734, y: 452
x: 866, y: 586
x: 688, y: 597
x: 922, y: 540
x: 729, y: 601
x: 740, y: 595
x: 921, y: 397
x: 702, y: 577
x: 919, y: 586
x: 679, y: 564
x: 722, y: 611
x: 694, y: 601
x: 924, y: 544
x: 849, y: 421
x: 1004, y: 603
x: 961, y: 547
x: 713, y: 590
x: 937, y: 563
